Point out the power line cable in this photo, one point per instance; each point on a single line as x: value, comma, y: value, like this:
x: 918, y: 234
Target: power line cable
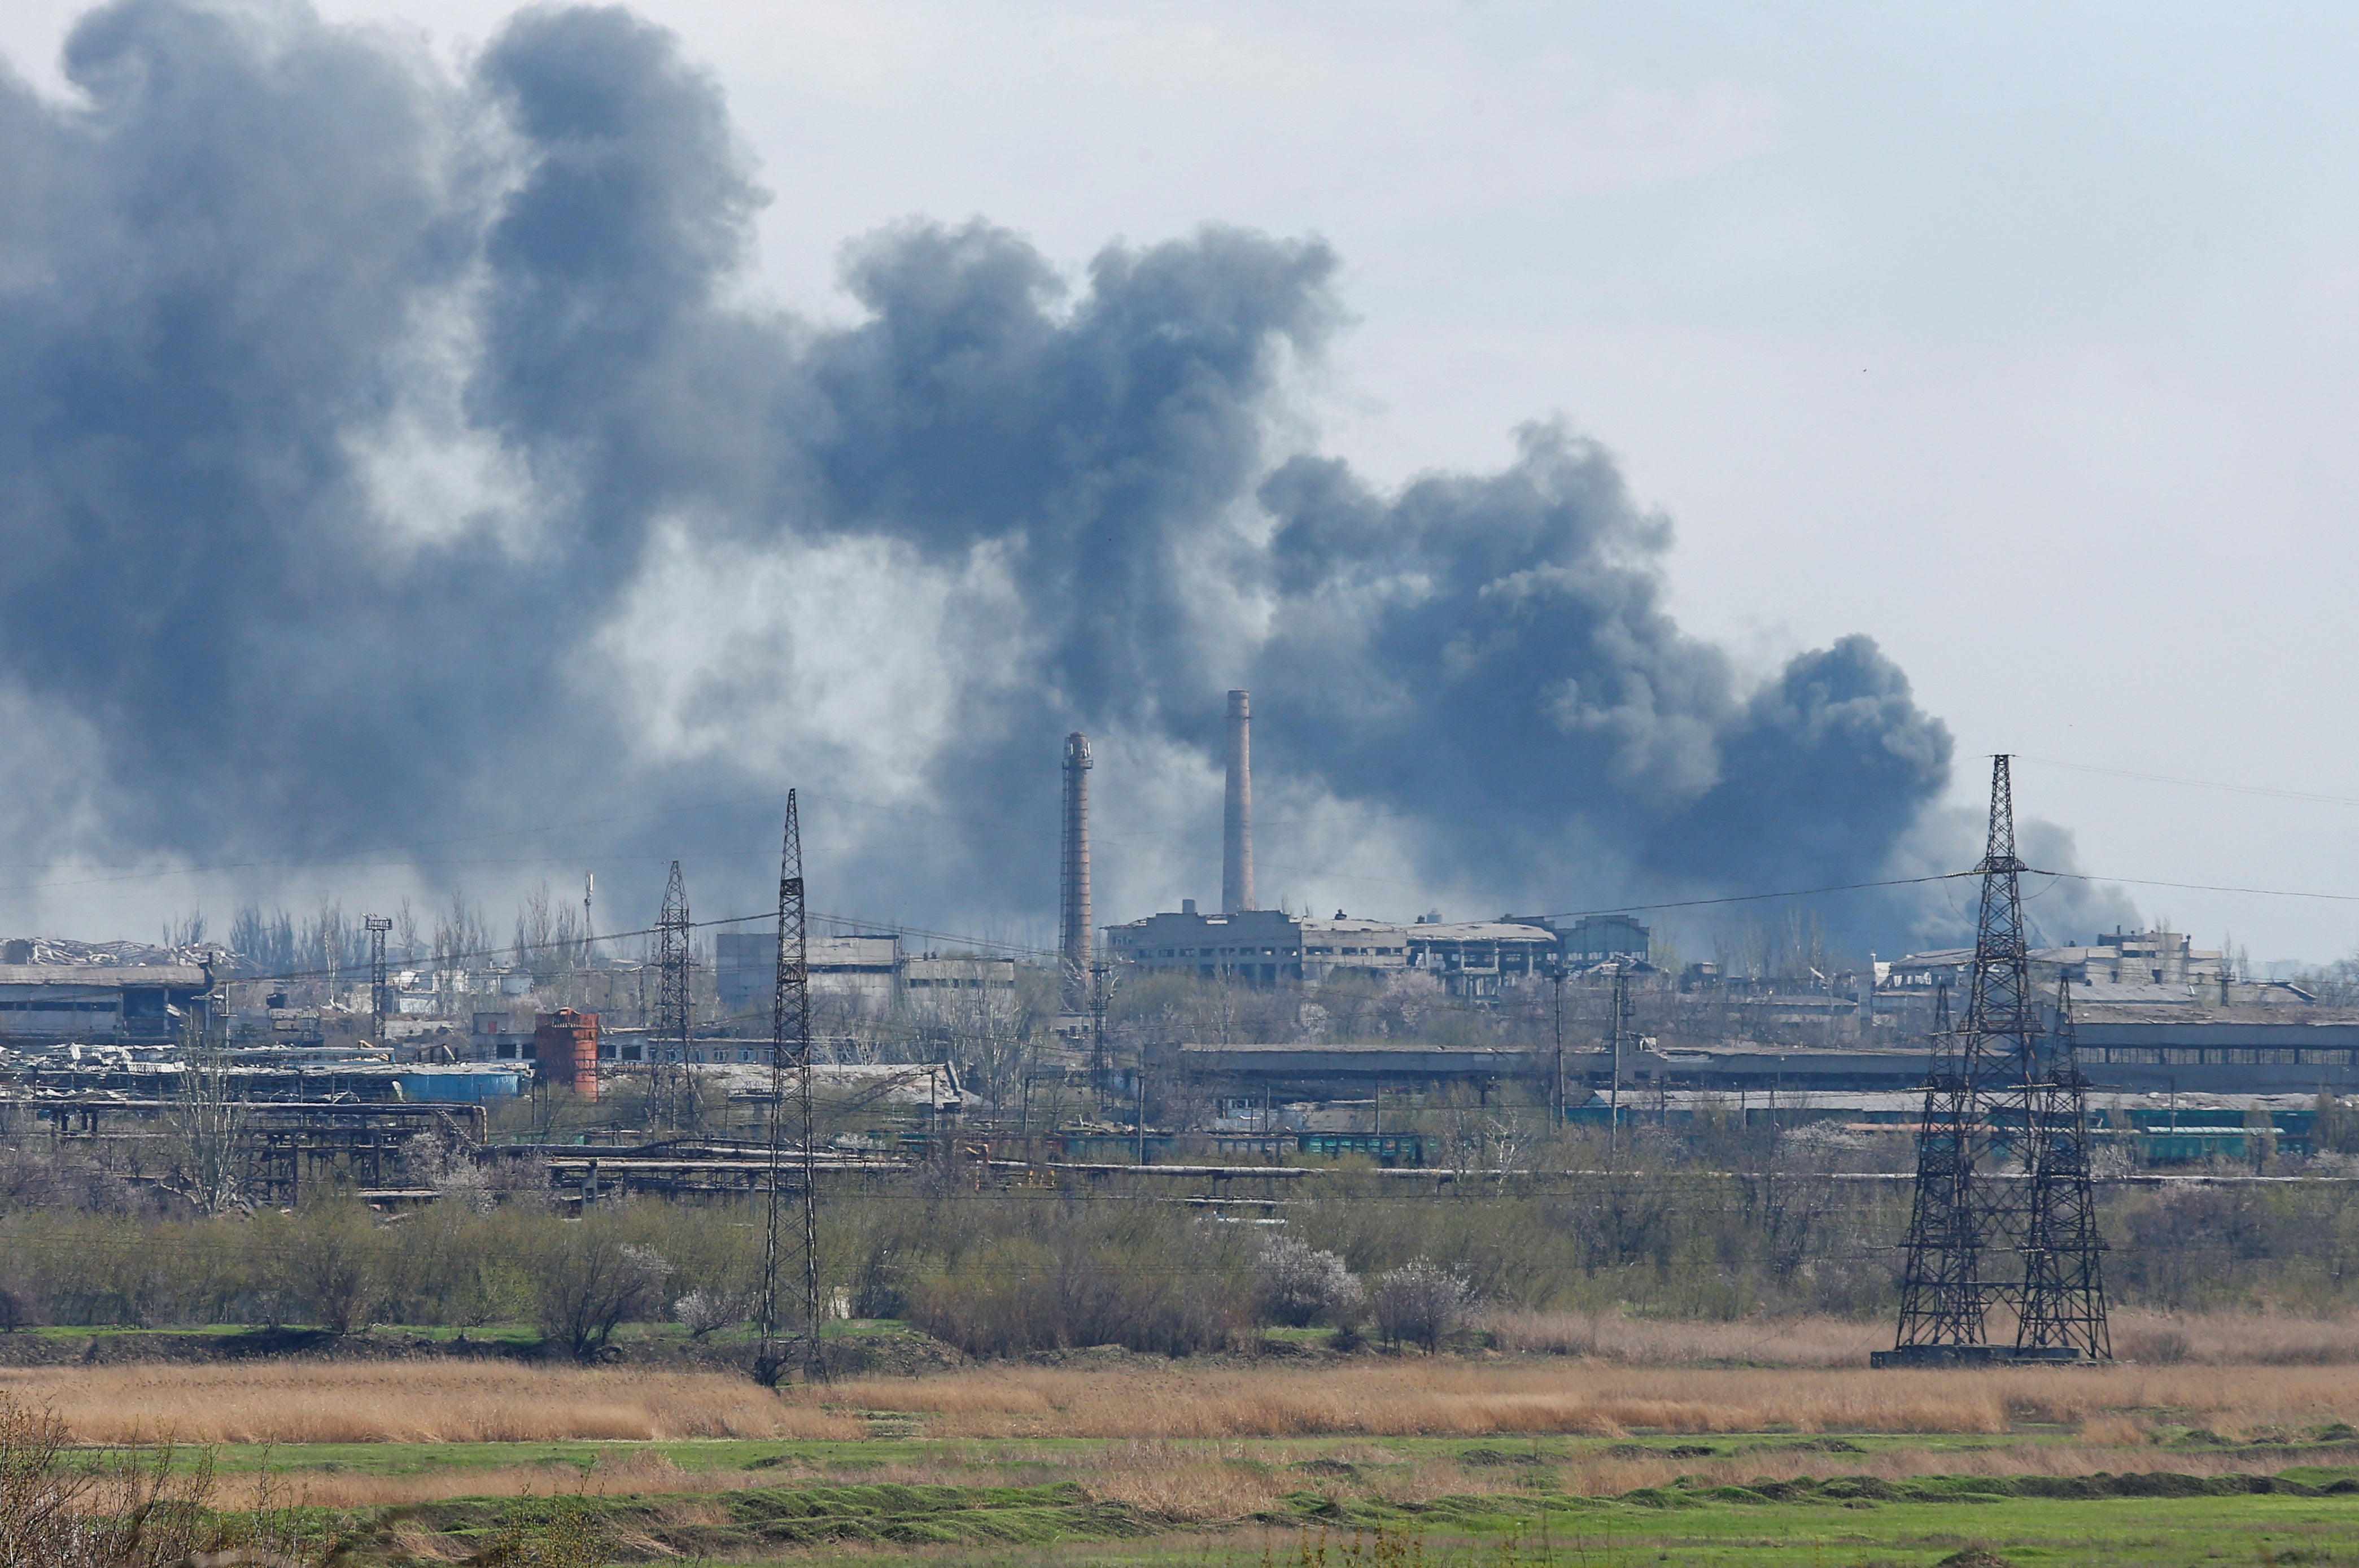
x: 2198, y: 886
x: 2196, y: 783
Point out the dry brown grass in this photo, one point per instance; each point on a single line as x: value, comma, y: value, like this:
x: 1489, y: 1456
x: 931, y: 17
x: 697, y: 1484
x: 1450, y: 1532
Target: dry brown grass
x: 2235, y: 1339
x: 1187, y: 1485
x: 1204, y: 1441
x: 2218, y: 1339
x: 359, y: 1490
x: 1194, y: 1444
x: 408, y: 1402
x: 1453, y: 1399
x: 1815, y: 1340
x: 359, y: 1403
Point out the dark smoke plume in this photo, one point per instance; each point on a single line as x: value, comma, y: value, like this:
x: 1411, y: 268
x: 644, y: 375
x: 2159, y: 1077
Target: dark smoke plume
x: 384, y: 458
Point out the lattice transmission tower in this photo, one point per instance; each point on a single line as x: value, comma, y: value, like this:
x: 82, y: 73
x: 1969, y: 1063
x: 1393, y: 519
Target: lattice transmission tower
x: 785, y: 1242
x: 2003, y: 1215
x: 2063, y: 1306
x: 668, y: 1081
x: 381, y: 999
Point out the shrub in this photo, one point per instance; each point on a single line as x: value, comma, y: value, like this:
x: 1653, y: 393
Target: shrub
x: 1133, y: 1277
x: 20, y: 1306
x: 701, y: 1310
x: 591, y: 1282
x: 1419, y: 1303
x: 2155, y: 1345
x: 338, y: 1264
x: 1297, y: 1285
x: 125, y: 1509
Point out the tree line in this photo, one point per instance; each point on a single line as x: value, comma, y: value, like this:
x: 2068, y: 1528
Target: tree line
x: 1008, y: 1270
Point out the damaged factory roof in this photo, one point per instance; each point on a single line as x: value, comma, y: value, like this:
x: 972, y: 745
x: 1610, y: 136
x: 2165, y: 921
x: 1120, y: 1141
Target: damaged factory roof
x: 172, y: 977
x: 45, y: 952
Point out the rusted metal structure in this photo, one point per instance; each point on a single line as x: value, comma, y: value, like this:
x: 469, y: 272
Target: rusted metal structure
x: 283, y: 1149
x: 565, y: 1050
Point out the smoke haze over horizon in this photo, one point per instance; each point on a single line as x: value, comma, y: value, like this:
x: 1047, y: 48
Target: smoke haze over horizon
x: 392, y: 460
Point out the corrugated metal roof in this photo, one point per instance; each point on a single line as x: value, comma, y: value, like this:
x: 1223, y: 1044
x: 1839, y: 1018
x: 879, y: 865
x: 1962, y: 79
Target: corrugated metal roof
x: 2107, y: 992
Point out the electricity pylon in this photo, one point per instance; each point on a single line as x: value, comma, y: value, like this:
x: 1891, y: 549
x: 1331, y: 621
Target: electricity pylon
x: 2003, y: 1215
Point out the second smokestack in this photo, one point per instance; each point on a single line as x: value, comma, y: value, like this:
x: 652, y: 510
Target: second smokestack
x: 1236, y: 816
x: 1075, y: 935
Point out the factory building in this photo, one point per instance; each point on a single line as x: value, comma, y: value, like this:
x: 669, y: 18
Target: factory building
x: 941, y: 978
x: 2122, y: 959
x: 90, y: 1003
x: 1263, y: 946
x: 1252, y: 945
x: 1605, y: 939
x: 2132, y: 1057
x: 1256, y: 946
x: 1376, y: 947
x: 1472, y: 958
x: 868, y: 972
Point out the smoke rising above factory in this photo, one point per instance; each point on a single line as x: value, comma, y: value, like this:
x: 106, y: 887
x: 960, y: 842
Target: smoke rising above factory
x: 387, y: 455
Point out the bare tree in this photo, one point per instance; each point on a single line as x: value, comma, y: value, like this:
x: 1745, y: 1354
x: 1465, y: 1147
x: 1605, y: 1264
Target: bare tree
x: 591, y: 1282
x: 208, y: 1121
x: 548, y: 933
x: 461, y: 938
x: 333, y: 1262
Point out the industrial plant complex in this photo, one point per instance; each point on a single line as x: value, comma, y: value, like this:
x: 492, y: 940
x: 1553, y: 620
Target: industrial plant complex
x: 1176, y: 1034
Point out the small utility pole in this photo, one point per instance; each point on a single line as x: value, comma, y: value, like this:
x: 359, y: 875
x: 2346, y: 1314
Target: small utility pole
x: 1621, y: 1006
x: 1556, y: 974
x: 1100, y: 973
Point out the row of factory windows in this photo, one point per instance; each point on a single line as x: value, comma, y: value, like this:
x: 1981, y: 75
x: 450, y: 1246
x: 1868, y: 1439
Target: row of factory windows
x: 2218, y: 1056
x: 1476, y: 955
x: 524, y: 1051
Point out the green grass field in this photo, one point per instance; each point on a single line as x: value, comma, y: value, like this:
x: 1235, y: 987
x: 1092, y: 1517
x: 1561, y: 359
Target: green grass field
x: 991, y: 1455
x: 2188, y: 1464
x: 1016, y: 1502
x: 1838, y: 1521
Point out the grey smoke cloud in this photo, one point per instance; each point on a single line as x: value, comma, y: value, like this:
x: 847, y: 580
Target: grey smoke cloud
x: 1504, y: 637
x: 384, y: 455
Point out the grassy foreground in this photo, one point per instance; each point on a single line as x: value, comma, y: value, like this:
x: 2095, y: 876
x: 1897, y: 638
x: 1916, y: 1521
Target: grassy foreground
x: 2304, y: 1515
x: 1360, y: 1462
